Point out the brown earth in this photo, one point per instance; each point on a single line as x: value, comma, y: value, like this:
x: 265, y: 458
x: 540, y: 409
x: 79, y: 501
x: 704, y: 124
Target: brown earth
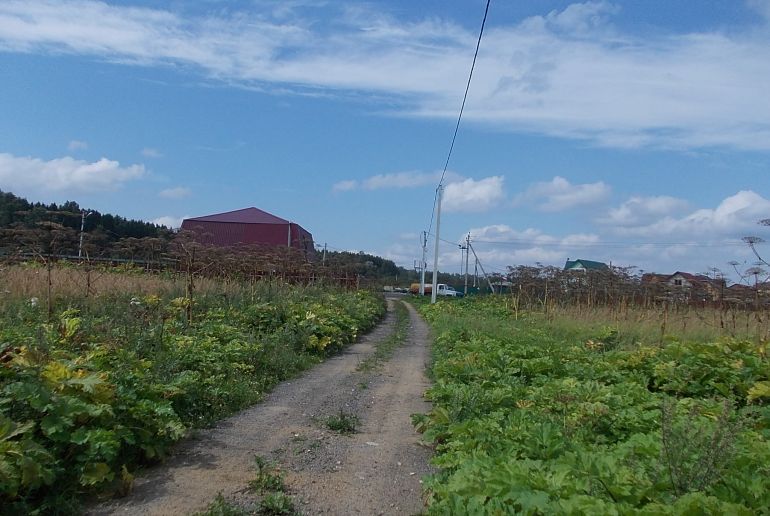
x: 377, y: 470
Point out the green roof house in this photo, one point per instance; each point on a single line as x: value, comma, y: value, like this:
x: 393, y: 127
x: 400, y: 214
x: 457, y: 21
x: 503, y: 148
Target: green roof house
x: 585, y: 265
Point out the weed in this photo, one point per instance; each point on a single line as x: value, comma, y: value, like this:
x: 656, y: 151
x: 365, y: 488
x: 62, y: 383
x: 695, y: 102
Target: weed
x: 342, y: 423
x: 696, y: 450
x: 268, y: 477
x: 302, y: 444
x: 568, y: 413
x: 276, y: 504
x: 221, y: 507
x: 118, y: 374
x: 386, y: 348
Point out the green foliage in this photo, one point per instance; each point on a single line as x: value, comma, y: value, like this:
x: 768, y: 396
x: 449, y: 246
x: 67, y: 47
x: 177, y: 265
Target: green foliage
x: 526, y: 421
x: 342, y: 423
x: 276, y: 503
x: 112, y: 383
x: 386, y: 348
x: 25, y: 222
x: 268, y: 477
x: 221, y: 507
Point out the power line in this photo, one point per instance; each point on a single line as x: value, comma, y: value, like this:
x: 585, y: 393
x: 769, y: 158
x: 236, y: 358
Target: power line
x: 460, y: 116
x: 595, y: 244
x: 608, y: 244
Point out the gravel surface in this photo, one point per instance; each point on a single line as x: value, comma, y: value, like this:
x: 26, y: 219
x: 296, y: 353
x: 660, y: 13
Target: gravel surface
x: 377, y: 470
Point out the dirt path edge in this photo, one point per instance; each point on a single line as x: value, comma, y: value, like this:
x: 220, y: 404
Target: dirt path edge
x: 375, y: 471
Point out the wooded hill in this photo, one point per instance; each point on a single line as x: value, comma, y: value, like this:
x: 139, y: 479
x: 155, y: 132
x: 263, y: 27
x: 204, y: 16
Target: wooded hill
x: 51, y: 229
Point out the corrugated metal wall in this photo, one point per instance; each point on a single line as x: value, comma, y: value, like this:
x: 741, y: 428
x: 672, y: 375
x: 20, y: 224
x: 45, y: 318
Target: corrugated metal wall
x: 230, y: 233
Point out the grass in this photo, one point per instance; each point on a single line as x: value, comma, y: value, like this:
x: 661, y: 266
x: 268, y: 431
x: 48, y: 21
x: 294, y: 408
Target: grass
x: 387, y: 347
x: 630, y: 325
x: 268, y: 479
x: 276, y: 504
x: 273, y: 504
x: 342, y: 423
x: 268, y: 483
x: 30, y: 280
x: 221, y: 507
x: 657, y: 325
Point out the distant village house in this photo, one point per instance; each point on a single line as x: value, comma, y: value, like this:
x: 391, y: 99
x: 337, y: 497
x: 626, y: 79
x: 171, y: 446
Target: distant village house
x: 581, y: 265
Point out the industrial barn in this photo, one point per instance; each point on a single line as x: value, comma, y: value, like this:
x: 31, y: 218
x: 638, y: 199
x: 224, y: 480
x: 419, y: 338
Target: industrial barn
x: 249, y: 226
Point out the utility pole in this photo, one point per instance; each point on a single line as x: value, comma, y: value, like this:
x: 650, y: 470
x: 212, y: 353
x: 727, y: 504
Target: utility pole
x: 422, y: 263
x: 83, y: 215
x: 323, y: 259
x: 440, y: 192
x: 492, y: 288
x: 467, y: 248
x: 288, y: 237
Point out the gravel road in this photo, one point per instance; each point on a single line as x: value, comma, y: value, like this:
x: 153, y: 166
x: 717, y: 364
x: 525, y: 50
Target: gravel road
x: 374, y: 471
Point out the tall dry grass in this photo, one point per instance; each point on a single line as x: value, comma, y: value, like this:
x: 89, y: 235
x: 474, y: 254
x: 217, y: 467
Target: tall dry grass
x: 656, y: 324
x: 26, y: 281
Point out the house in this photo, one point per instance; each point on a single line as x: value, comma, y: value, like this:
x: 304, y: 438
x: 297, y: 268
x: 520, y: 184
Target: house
x: 684, y: 285
x: 652, y: 278
x: 581, y: 265
x: 249, y: 226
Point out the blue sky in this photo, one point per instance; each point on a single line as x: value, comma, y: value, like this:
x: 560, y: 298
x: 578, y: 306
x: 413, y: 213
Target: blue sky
x: 636, y: 133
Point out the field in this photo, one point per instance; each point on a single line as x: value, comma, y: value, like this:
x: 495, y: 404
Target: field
x: 596, y: 413
x: 101, y: 371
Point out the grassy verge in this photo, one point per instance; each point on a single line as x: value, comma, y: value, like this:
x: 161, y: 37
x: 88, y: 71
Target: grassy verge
x: 535, y: 416
x: 386, y: 348
x: 110, y: 381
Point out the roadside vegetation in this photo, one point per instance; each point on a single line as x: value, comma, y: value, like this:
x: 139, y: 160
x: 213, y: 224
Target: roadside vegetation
x: 387, y: 347
x: 102, y: 371
x: 548, y: 413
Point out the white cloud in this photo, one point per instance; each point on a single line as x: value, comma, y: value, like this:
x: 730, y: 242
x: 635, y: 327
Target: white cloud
x: 396, y: 180
x: 30, y: 176
x: 504, y: 234
x: 568, y: 73
x: 560, y: 195
x: 149, y: 152
x: 75, y: 145
x: 345, y: 186
x: 400, y: 180
x: 179, y: 192
x: 470, y: 195
x: 581, y: 17
x: 170, y: 221
x: 637, y: 211
x: 734, y: 217
x: 499, y: 245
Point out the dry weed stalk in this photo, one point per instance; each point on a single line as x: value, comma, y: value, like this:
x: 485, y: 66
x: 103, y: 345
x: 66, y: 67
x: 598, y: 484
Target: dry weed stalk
x: 694, y: 454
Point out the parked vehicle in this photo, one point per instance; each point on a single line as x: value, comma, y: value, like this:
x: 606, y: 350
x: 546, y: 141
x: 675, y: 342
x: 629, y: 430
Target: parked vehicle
x: 442, y: 289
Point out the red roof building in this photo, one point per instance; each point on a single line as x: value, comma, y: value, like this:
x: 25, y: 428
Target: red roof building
x: 249, y: 226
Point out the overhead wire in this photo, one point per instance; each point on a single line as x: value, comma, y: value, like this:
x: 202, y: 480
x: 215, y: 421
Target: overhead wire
x: 459, y: 117
x: 607, y: 244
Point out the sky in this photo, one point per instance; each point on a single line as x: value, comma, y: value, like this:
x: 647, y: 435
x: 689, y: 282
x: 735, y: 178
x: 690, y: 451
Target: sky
x: 633, y: 133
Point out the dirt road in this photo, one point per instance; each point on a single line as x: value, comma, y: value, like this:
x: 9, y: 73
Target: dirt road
x: 374, y: 471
